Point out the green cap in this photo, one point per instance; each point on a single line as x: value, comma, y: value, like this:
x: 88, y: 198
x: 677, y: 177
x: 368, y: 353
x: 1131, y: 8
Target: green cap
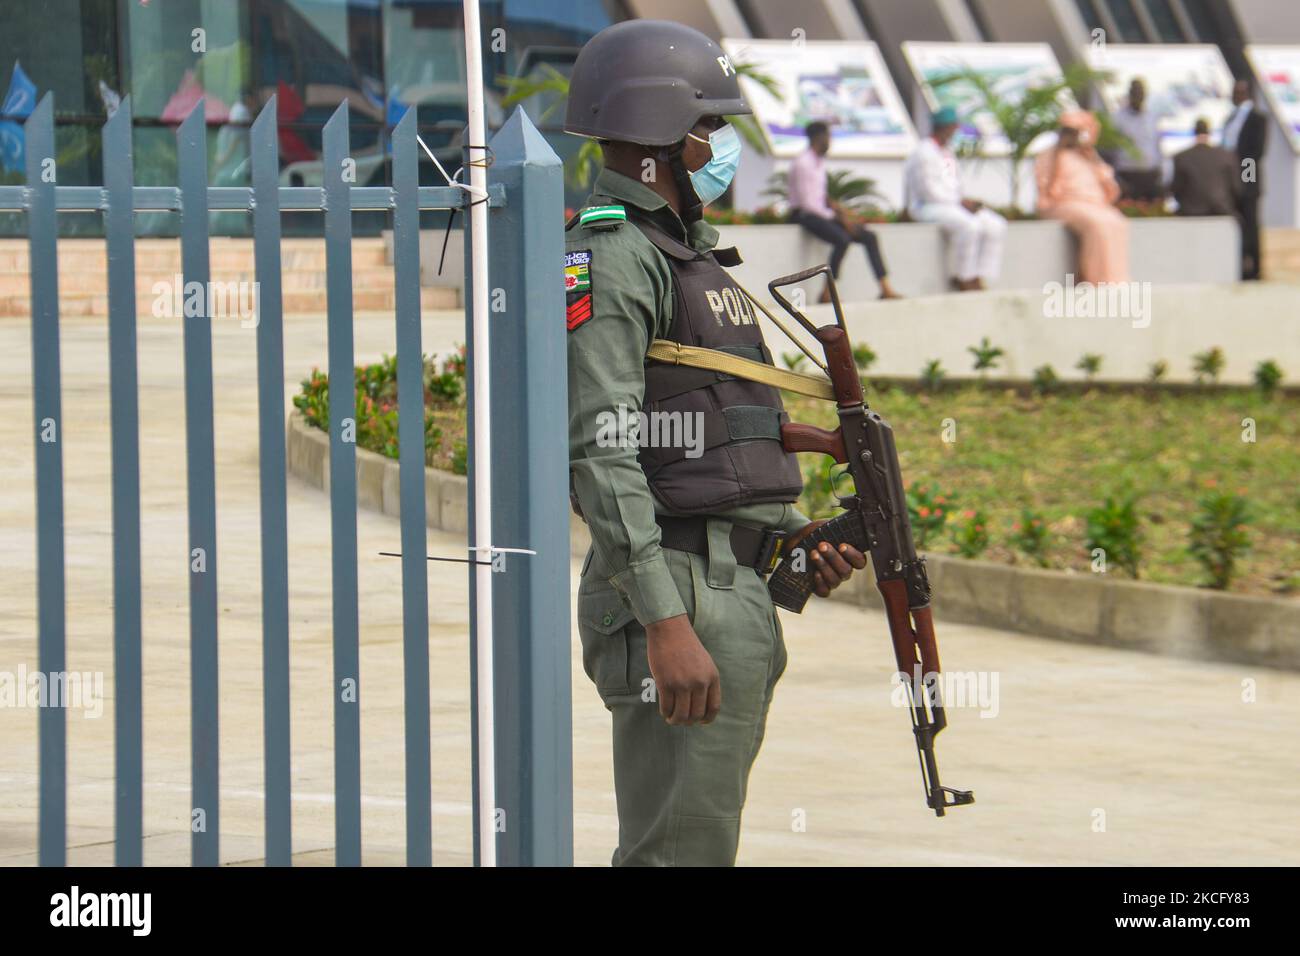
x: 945, y: 116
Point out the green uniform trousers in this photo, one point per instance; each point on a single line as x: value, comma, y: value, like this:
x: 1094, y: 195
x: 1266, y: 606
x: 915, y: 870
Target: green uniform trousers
x: 681, y: 790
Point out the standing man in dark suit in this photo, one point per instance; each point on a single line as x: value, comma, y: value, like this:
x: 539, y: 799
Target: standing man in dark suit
x: 1207, y: 180
x: 1246, y: 132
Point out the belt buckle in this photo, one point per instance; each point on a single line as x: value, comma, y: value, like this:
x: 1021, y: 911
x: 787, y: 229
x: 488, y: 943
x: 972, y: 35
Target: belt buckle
x: 769, y: 551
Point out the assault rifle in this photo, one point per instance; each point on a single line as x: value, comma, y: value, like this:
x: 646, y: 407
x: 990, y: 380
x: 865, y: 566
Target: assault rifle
x: 874, y: 521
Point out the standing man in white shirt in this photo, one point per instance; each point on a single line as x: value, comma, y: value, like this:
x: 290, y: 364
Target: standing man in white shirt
x: 828, y: 220
x: 1139, y: 173
x: 933, y: 194
x: 1246, y: 134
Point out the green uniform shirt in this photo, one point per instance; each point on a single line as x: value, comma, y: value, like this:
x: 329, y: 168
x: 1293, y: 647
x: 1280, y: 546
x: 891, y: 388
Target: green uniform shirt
x: 631, y: 303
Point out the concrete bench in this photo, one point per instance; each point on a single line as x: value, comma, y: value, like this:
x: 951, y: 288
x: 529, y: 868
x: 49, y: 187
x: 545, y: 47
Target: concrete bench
x: 1162, y: 251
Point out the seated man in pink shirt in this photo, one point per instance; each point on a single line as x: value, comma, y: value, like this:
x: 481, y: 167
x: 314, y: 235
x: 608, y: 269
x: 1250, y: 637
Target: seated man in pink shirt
x: 806, y: 189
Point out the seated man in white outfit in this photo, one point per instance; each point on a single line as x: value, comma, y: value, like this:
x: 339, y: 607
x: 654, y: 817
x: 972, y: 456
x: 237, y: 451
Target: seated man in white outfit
x: 933, y: 185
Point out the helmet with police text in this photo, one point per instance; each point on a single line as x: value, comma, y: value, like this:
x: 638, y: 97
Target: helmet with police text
x: 650, y: 82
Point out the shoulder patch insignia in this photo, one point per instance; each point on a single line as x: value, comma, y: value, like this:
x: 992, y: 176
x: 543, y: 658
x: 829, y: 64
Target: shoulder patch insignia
x: 577, y: 287
x: 577, y: 271
x: 603, y: 216
x: 577, y: 311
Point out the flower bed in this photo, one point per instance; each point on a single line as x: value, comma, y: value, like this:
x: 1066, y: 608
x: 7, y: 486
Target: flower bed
x: 1160, y: 481
x: 376, y: 404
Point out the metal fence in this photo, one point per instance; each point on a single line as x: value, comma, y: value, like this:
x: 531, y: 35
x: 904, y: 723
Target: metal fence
x: 533, y: 763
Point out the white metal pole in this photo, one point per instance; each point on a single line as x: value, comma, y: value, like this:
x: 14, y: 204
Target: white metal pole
x: 476, y: 154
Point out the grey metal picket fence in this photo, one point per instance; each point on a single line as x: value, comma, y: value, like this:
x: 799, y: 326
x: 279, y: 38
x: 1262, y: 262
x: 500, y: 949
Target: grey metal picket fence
x: 532, y: 671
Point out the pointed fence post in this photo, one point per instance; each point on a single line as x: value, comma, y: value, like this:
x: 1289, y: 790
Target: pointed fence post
x: 530, y: 467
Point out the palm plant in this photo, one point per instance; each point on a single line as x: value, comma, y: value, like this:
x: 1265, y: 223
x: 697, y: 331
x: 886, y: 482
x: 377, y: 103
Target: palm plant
x: 986, y: 355
x: 1035, y: 112
x: 581, y: 168
x: 850, y: 191
x: 932, y: 375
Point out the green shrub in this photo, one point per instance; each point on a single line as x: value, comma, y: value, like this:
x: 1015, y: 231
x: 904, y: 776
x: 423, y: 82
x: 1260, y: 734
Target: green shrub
x: 1157, y: 371
x: 1114, y: 527
x: 459, y: 458
x: 986, y: 355
x: 864, y: 357
x: 377, y: 425
x: 446, y: 386
x: 1045, y: 380
x: 972, y: 535
x: 932, y: 375
x: 793, y: 360
x: 376, y: 402
x: 1268, y: 376
x: 928, y: 509
x: 378, y: 381
x: 314, y: 399
x: 1089, y: 365
x: 1207, y: 366
x: 1030, y: 536
x: 1218, y: 536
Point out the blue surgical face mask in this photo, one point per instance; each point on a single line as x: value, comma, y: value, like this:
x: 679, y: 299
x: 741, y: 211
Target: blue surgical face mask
x: 712, y: 179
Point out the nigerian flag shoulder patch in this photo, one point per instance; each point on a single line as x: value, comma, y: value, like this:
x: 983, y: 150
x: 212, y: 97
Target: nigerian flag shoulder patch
x: 577, y: 287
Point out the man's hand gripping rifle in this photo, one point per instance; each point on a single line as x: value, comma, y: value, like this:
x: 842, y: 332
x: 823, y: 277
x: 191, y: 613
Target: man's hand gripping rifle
x: 874, y: 520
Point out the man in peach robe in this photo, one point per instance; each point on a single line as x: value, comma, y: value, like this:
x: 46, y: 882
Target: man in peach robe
x: 1077, y: 187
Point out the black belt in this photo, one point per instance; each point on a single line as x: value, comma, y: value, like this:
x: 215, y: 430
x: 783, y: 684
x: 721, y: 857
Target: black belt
x: 752, y: 547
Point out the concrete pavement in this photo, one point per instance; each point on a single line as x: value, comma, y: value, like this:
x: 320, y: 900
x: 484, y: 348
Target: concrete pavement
x: 1096, y: 755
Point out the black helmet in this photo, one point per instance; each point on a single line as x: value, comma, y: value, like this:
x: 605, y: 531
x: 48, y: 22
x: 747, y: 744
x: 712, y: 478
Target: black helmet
x: 650, y: 82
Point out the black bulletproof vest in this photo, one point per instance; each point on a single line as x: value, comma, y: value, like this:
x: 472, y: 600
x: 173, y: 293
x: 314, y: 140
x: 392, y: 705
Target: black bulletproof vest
x: 735, y: 423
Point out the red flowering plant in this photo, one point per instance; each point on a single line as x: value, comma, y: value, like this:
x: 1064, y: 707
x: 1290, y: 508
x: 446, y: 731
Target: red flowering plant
x: 314, y: 400
x: 445, y: 387
x: 1030, y: 536
x: 972, y: 535
x: 927, y: 508
x: 376, y: 402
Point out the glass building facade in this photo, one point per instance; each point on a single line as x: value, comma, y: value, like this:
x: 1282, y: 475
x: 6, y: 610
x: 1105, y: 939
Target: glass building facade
x: 381, y: 57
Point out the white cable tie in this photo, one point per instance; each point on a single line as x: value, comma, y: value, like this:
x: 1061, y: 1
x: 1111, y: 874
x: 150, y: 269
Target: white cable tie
x: 474, y: 191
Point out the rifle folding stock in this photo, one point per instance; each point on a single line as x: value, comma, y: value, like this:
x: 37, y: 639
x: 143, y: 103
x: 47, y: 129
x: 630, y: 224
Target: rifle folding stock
x: 875, y: 521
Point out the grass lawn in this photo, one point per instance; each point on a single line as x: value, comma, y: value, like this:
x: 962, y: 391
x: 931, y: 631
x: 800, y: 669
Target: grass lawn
x: 1062, y: 454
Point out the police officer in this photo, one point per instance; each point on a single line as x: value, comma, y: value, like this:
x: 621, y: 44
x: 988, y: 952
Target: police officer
x: 679, y: 472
